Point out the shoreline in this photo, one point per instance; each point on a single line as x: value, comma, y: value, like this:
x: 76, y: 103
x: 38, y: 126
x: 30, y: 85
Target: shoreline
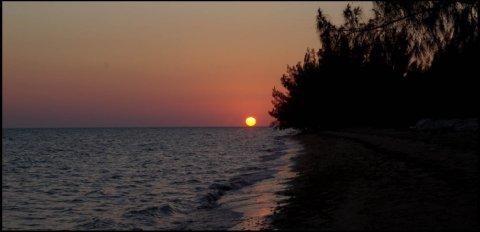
x: 264, y: 196
x: 247, y: 201
x: 380, y: 179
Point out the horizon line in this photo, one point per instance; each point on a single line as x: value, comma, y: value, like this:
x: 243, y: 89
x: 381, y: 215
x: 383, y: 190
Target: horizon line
x: 125, y: 127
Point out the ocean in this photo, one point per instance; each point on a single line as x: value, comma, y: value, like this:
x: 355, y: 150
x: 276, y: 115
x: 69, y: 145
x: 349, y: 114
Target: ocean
x: 143, y: 178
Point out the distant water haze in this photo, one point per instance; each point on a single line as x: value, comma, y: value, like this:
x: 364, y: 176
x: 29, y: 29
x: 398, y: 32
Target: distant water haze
x: 99, y: 64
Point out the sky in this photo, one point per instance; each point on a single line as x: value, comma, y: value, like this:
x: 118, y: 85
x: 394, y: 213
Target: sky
x: 129, y: 64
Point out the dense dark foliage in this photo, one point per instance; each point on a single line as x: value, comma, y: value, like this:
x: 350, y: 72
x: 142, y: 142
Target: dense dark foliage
x: 411, y: 60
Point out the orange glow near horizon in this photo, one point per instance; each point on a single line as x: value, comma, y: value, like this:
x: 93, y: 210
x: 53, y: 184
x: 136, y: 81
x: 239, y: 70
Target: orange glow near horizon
x: 111, y: 64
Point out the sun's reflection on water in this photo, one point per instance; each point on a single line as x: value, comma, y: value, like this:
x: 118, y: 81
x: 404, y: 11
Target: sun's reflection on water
x: 259, y: 201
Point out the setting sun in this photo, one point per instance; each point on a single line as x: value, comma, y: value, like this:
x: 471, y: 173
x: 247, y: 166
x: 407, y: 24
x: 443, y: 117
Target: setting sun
x: 250, y: 121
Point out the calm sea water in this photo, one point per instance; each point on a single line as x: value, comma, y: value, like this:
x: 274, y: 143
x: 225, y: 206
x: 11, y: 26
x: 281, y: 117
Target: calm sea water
x: 143, y: 178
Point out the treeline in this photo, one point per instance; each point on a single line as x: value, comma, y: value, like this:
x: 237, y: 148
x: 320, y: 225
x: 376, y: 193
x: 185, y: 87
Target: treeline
x: 411, y: 60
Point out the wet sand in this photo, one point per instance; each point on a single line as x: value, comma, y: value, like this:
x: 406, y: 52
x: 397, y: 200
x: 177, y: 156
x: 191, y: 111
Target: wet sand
x: 371, y: 179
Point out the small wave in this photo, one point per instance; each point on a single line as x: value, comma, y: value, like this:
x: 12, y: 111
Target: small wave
x: 154, y: 211
x: 270, y: 149
x: 190, y: 181
x: 236, y: 183
x: 96, y: 224
x: 280, y: 147
x: 247, y: 169
x: 93, y: 192
x: 193, y: 181
x: 270, y: 157
x: 116, y: 176
x: 76, y: 200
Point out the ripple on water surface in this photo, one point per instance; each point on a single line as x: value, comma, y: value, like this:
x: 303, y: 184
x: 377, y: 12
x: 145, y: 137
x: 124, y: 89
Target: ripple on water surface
x: 140, y: 178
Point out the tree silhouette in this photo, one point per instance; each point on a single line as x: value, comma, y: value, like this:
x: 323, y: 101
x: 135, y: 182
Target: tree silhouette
x: 411, y: 60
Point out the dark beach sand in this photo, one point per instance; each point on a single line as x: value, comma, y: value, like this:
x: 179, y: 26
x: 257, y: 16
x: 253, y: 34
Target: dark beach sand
x: 364, y: 179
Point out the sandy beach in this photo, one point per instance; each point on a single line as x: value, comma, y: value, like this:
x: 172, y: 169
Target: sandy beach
x: 372, y: 179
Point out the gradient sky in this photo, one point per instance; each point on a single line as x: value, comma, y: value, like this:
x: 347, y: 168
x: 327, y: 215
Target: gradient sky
x: 108, y: 64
